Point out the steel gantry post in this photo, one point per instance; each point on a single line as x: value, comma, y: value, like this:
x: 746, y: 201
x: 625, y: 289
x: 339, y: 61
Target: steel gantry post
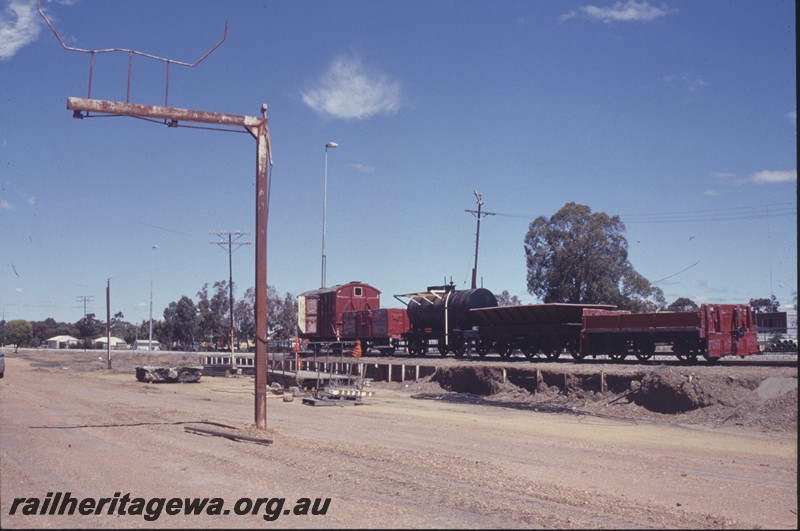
x: 258, y: 128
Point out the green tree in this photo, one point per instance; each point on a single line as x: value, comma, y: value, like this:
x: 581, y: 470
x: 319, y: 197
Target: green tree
x: 286, y: 325
x: 683, y: 304
x: 577, y: 256
x: 19, y: 333
x: 180, y: 321
x: 506, y: 299
x: 765, y: 305
x: 244, y: 320
x: 44, y: 330
x: 214, y: 324
x: 89, y: 327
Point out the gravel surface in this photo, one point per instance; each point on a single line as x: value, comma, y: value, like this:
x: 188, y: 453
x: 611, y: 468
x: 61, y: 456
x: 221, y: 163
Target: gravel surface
x: 416, y: 455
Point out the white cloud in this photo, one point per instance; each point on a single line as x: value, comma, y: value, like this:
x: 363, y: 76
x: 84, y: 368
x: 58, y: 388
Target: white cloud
x: 792, y: 116
x: 760, y: 177
x: 630, y: 11
x: 19, y: 26
x: 691, y: 83
x: 726, y: 178
x: 772, y: 176
x: 5, y: 205
x: 363, y: 168
x: 349, y: 90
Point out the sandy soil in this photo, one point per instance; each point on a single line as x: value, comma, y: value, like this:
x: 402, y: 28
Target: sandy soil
x: 412, y: 456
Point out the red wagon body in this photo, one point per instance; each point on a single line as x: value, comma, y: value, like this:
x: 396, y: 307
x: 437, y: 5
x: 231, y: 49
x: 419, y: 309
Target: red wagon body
x: 320, y: 311
x: 713, y: 331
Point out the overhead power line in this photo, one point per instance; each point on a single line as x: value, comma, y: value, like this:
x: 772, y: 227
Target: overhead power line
x: 774, y: 210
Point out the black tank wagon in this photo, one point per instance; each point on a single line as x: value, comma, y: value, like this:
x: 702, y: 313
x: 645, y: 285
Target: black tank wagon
x: 550, y: 329
x: 441, y: 317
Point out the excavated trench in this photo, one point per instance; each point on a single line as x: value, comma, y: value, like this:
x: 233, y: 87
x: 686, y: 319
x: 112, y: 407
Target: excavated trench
x: 661, y: 391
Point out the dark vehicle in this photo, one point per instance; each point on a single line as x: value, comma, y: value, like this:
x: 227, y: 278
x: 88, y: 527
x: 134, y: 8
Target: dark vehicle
x: 550, y: 329
x: 2, y: 364
x: 442, y: 317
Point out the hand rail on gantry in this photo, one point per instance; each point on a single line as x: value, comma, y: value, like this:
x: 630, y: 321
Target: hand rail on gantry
x: 131, y: 53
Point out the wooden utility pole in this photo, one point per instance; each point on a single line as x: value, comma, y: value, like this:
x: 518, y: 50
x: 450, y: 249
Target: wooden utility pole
x: 230, y: 242
x: 108, y: 323
x: 478, y: 214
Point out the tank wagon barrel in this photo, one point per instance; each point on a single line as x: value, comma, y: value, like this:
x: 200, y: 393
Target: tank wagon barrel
x: 441, y: 316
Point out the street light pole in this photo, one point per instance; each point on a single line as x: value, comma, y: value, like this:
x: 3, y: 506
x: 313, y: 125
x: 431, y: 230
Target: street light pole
x: 152, y: 261
x: 329, y: 145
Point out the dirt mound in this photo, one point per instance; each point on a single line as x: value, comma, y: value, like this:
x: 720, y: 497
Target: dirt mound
x: 483, y: 381
x: 661, y: 393
x: 671, y: 393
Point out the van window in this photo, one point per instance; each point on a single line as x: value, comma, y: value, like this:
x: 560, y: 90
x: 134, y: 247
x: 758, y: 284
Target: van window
x: 358, y: 291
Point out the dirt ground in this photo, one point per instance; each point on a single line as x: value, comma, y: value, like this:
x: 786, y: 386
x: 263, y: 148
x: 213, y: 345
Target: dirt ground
x: 464, y: 448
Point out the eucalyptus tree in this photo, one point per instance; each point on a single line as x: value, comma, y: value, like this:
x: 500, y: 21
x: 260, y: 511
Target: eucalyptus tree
x: 580, y: 256
x: 181, y: 321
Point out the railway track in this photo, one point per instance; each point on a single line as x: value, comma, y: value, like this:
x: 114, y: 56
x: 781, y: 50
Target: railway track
x: 768, y: 359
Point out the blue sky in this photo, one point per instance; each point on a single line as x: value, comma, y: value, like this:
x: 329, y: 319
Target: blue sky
x: 678, y: 116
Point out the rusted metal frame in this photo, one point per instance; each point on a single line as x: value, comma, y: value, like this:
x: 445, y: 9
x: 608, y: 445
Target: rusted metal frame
x: 258, y: 128
x: 166, y: 90
x: 130, y: 66
x: 131, y: 53
x: 143, y: 54
x: 263, y: 163
x: 91, y: 71
x: 174, y: 114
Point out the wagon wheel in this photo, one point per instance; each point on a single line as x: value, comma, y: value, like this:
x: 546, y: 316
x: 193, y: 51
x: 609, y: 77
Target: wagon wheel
x: 574, y: 349
x: 416, y: 347
x: 682, y: 351
x: 530, y: 351
x: 530, y: 347
x: 550, y: 349
x: 618, y: 356
x: 578, y: 355
x: 645, y: 350
x: 552, y: 354
x: 459, y: 347
x: 387, y: 351
x: 503, y: 348
x: 483, y: 348
x: 709, y: 359
x: 442, y: 347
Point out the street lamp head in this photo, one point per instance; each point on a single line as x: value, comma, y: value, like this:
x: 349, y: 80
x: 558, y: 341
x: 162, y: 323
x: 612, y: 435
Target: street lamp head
x: 331, y: 145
